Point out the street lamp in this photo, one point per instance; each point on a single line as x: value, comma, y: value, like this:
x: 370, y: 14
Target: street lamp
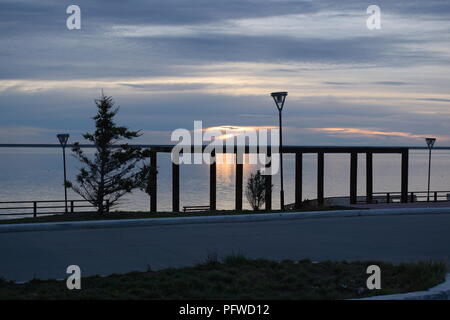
x: 279, y: 98
x: 430, y: 144
x: 63, y: 141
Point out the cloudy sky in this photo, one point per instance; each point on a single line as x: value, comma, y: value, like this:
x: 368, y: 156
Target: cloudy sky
x: 170, y: 62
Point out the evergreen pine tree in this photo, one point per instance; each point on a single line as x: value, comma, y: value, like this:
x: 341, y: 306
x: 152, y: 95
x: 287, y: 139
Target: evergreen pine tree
x: 114, y: 169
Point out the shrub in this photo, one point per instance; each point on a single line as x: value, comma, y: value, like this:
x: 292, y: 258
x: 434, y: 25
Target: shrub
x: 256, y: 190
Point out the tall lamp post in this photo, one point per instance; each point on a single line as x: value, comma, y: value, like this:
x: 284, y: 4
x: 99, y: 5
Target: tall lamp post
x: 63, y: 141
x: 430, y: 144
x: 279, y: 98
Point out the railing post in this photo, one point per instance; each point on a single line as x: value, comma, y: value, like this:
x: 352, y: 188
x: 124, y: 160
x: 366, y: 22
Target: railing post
x: 298, y: 179
x: 107, y: 206
x: 412, y: 197
x: 72, y: 206
x: 435, y: 196
x: 34, y: 209
x: 353, y: 177
x: 320, y: 177
x: 388, y: 197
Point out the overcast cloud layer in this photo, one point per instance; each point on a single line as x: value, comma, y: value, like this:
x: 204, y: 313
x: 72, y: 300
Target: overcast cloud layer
x: 168, y: 63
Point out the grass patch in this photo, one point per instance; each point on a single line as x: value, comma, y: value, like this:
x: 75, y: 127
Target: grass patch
x: 237, y: 277
x: 93, y: 216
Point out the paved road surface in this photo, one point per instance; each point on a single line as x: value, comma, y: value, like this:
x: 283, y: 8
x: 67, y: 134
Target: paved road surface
x: 47, y: 254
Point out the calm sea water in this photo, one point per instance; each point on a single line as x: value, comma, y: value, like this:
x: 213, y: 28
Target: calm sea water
x: 37, y: 174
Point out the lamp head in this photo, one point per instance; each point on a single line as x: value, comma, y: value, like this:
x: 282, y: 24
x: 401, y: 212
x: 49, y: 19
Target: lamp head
x: 279, y: 98
x: 63, y: 138
x: 430, y: 142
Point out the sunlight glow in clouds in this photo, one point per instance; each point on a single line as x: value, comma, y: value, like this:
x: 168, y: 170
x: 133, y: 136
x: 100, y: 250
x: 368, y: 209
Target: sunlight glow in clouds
x: 230, y: 132
x: 370, y: 132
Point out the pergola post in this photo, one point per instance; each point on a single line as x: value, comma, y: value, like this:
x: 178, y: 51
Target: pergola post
x: 369, y: 177
x: 298, y: 179
x: 404, y: 178
x: 175, y: 187
x: 320, y: 177
x: 353, y: 177
x: 153, y: 181
x: 212, y: 182
x: 239, y: 180
x: 269, y: 182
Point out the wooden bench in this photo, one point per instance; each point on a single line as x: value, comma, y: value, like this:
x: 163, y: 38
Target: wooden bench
x: 195, y: 208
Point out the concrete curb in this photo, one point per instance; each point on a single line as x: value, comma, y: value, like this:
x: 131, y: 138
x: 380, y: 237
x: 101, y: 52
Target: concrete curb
x: 440, y: 292
x: 54, y: 226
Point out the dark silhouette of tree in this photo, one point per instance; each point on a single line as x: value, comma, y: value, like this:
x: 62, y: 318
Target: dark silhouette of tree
x: 114, y: 169
x: 256, y: 190
x: 144, y: 175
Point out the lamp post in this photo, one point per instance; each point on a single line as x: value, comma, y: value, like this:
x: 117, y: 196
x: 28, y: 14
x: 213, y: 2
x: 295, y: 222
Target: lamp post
x: 63, y: 141
x: 279, y: 98
x: 430, y: 144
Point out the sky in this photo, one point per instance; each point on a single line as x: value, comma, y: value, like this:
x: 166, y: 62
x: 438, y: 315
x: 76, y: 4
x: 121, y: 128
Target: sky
x: 168, y: 63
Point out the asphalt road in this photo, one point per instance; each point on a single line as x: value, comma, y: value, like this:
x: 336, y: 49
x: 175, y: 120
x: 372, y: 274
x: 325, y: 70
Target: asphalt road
x: 46, y: 254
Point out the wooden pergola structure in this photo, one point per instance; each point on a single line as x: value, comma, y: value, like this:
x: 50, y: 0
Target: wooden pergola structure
x: 299, y: 151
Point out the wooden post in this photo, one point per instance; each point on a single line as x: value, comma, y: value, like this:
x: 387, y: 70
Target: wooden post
x: 212, y: 183
x: 269, y: 183
x: 239, y: 181
x: 298, y: 179
x: 404, y: 178
x: 369, y: 177
x: 353, y: 177
x: 34, y: 209
x: 175, y: 187
x: 320, y: 177
x: 153, y: 182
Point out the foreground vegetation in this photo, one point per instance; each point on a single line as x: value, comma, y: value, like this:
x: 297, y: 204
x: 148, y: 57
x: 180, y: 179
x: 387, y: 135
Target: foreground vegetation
x: 92, y: 216
x: 237, y: 277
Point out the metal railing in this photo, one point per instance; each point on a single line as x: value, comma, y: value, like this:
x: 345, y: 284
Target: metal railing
x: 413, y: 196
x: 32, y: 207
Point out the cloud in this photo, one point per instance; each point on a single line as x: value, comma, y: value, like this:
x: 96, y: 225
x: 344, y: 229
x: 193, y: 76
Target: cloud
x: 336, y: 83
x: 383, y: 83
x: 170, y: 62
x: 360, y: 132
x: 265, y: 49
x: 366, y: 132
x: 434, y: 99
x: 391, y: 83
x: 141, y: 38
x: 167, y: 86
